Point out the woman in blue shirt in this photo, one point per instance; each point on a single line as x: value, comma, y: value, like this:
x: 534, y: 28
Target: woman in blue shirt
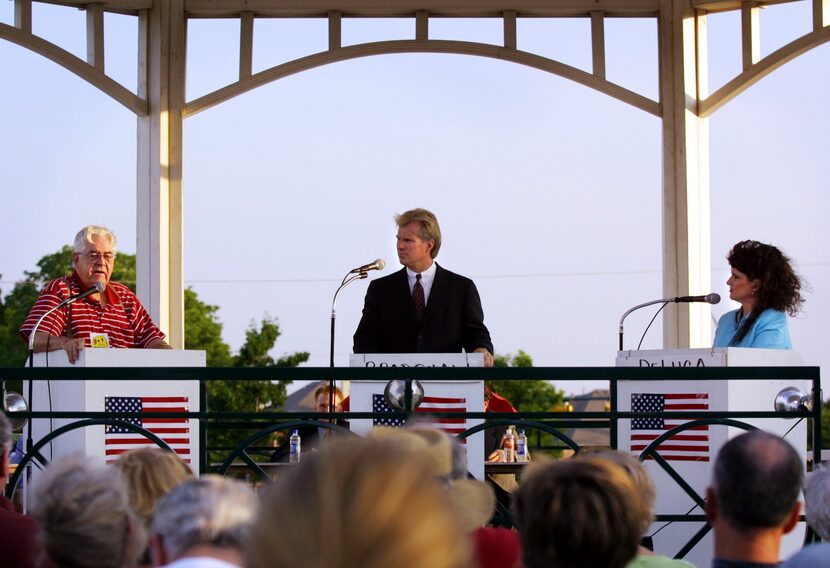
x: 764, y: 283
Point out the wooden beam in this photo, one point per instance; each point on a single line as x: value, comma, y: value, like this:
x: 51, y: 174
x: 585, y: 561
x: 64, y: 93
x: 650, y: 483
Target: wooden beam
x: 23, y: 15
x: 159, y: 208
x: 686, y: 225
x: 335, y: 30
x: 750, y: 34
x: 407, y: 8
x: 510, y: 29
x: 95, y: 36
x: 416, y: 46
x: 598, y: 43
x: 422, y: 25
x: 246, y: 44
x: 821, y: 14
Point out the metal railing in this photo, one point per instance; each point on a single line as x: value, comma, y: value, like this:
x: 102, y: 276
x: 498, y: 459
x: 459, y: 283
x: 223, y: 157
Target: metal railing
x: 262, y: 424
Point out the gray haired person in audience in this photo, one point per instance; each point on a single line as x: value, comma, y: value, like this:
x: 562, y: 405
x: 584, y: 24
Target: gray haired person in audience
x: 203, y: 523
x: 753, y: 500
x: 19, y: 545
x: 817, y: 511
x: 84, y: 516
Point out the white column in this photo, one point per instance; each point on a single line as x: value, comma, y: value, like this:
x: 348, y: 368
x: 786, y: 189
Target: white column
x: 686, y: 225
x: 161, y: 76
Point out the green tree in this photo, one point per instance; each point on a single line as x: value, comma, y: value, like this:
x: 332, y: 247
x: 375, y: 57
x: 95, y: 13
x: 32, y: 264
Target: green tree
x: 528, y: 396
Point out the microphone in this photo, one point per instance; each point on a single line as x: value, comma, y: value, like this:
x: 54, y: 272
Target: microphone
x: 708, y: 298
x: 378, y: 264
x: 96, y: 288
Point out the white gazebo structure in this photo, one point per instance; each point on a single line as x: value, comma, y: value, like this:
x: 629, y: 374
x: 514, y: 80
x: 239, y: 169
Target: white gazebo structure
x: 684, y: 104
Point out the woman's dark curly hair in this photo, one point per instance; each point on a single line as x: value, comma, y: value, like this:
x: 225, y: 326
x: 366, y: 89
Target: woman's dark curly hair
x: 780, y: 287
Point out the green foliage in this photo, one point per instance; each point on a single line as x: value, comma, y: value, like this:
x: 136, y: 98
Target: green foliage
x: 526, y: 396
x: 529, y: 396
x: 203, y: 331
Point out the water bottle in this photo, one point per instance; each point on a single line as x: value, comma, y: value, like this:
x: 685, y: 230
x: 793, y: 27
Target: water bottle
x: 294, y: 448
x: 508, y: 446
x: 521, y: 447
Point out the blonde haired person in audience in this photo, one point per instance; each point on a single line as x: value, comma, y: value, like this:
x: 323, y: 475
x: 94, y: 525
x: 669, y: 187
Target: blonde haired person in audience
x: 84, y: 516
x: 647, y: 493
x: 150, y: 473
x: 358, y: 504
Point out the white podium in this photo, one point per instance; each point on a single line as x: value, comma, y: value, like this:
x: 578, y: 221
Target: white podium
x: 439, y: 396
x: 692, y: 453
x: 148, y: 397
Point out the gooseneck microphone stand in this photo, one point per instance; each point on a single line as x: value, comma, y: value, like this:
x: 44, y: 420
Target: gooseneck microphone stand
x: 348, y: 279
x: 625, y: 315
x: 29, y: 436
x: 708, y: 298
x: 96, y: 288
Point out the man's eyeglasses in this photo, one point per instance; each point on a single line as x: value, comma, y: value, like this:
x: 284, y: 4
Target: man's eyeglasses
x: 95, y: 256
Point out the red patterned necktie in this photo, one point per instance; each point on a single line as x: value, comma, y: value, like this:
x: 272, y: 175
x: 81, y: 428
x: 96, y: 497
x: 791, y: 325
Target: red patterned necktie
x: 418, y: 298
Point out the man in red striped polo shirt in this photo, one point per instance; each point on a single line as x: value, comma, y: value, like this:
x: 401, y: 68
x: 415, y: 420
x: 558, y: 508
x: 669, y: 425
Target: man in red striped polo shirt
x: 112, y: 318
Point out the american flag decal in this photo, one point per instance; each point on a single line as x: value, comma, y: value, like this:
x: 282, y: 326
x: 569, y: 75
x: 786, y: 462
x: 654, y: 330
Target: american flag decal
x: 690, y: 445
x: 174, y: 431
x: 452, y: 426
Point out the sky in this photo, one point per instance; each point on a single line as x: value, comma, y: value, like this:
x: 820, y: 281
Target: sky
x: 548, y: 193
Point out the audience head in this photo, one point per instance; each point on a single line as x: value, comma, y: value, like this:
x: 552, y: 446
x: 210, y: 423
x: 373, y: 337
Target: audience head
x: 84, y: 516
x: 6, y: 441
x: 430, y: 230
x: 358, y: 503
x: 150, y: 474
x: 644, y: 486
x: 6, y: 438
x: 756, y: 481
x: 322, y: 395
x: 446, y: 459
x: 212, y: 513
x: 817, y: 501
x: 578, y: 513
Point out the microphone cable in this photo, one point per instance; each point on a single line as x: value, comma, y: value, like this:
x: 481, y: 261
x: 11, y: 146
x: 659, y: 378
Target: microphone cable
x: 657, y: 313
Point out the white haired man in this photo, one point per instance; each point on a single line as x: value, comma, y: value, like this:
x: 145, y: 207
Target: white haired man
x: 203, y: 523
x: 112, y: 318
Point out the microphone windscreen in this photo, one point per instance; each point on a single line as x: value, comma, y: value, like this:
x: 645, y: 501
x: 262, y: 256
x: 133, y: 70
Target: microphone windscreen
x: 381, y: 263
x: 99, y: 286
x: 713, y: 298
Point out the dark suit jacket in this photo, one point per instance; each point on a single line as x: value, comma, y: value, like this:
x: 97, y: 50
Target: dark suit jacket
x: 453, y: 318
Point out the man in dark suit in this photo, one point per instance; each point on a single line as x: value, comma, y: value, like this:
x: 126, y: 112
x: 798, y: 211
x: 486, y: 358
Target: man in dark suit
x: 422, y: 308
